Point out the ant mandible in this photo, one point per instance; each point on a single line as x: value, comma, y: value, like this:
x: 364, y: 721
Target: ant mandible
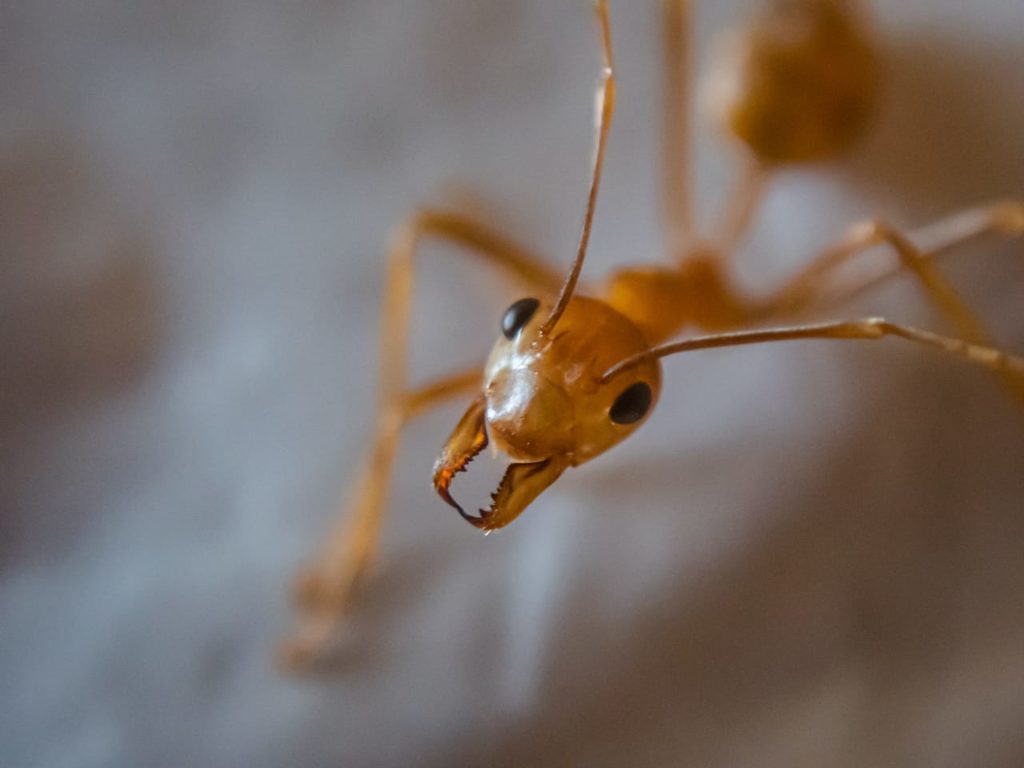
x: 576, y: 368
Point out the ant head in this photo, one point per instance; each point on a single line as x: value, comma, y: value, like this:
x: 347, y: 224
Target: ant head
x: 546, y: 403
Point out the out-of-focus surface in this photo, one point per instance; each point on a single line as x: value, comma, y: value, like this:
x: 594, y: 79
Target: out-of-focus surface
x: 811, y: 556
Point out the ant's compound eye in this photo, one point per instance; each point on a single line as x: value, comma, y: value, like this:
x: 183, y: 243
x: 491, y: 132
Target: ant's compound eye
x: 632, y: 404
x: 517, y: 316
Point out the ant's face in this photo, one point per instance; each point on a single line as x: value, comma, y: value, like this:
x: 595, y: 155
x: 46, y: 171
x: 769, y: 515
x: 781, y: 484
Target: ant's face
x: 545, y: 403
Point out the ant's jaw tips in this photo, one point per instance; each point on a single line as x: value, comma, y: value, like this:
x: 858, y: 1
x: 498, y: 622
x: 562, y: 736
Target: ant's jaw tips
x: 467, y: 440
x: 521, y: 484
x: 479, y: 523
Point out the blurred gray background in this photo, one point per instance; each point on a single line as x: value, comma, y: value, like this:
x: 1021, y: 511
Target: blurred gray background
x: 812, y: 555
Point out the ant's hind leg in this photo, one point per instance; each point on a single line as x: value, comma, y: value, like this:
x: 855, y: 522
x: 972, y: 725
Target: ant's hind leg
x: 936, y: 239
x: 324, y: 588
x: 809, y: 288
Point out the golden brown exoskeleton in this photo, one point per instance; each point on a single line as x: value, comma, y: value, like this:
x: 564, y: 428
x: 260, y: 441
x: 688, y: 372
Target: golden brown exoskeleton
x: 575, y: 369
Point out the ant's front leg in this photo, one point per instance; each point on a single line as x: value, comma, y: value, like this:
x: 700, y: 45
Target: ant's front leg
x: 324, y: 588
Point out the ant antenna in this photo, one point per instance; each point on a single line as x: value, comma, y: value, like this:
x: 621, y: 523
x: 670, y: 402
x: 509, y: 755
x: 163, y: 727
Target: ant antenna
x: 604, y: 108
x: 871, y: 328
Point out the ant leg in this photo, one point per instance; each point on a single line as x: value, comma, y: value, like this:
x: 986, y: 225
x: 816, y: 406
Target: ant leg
x: 743, y: 205
x: 324, y: 588
x: 805, y: 291
x: 676, y: 129
x: 936, y: 239
x: 677, y: 208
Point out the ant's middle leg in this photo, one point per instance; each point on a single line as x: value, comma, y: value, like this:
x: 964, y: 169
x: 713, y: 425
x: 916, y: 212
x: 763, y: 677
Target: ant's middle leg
x: 938, y: 238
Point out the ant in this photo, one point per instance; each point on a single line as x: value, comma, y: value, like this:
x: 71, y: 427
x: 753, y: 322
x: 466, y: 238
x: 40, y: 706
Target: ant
x: 575, y: 369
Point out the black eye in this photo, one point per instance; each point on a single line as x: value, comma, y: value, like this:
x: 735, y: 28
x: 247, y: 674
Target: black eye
x: 517, y: 316
x: 632, y: 404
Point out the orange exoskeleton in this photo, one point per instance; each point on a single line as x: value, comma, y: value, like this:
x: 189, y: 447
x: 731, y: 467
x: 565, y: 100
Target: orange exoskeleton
x: 575, y: 369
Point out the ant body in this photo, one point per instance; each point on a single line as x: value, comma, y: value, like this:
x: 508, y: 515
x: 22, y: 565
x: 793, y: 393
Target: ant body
x: 575, y: 368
